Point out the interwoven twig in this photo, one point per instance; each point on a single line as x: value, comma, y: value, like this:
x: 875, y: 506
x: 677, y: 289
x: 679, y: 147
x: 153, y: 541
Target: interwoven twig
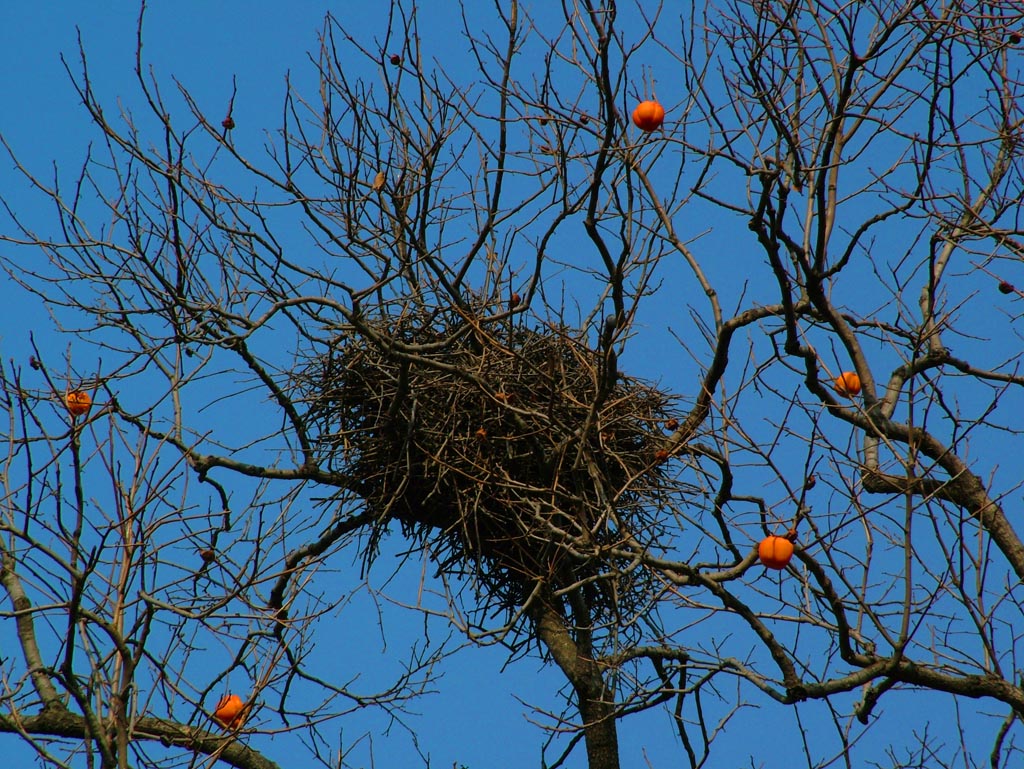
x: 486, y: 445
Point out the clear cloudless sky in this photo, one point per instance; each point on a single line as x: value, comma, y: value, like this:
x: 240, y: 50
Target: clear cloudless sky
x: 204, y: 45
x: 478, y: 718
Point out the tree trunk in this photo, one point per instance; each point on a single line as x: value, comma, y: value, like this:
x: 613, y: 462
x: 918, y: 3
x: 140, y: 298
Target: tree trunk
x: 599, y: 731
x: 595, y: 701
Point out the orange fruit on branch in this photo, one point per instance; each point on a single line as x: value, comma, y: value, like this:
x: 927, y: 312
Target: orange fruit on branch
x: 78, y: 402
x: 648, y: 115
x: 775, y: 552
x: 230, y: 711
x: 848, y: 384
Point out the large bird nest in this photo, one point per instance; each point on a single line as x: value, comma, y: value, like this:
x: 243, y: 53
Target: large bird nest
x: 516, y: 455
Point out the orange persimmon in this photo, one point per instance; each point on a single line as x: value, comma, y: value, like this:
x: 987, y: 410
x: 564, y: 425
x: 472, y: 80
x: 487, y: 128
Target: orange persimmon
x: 848, y: 384
x: 230, y: 711
x: 648, y: 115
x: 78, y: 402
x: 775, y: 552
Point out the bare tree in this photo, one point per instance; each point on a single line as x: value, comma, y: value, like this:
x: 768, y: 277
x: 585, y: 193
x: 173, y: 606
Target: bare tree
x: 422, y: 293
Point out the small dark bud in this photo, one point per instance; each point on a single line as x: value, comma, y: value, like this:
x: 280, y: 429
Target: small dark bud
x: 1006, y: 288
x: 228, y: 123
x: 396, y: 59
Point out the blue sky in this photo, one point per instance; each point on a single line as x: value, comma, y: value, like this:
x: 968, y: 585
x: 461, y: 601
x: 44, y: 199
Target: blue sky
x: 478, y: 718
x: 204, y: 45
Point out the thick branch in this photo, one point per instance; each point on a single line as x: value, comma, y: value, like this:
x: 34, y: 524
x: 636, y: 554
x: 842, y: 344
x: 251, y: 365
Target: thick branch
x: 57, y: 722
x: 596, y: 708
x: 26, y: 629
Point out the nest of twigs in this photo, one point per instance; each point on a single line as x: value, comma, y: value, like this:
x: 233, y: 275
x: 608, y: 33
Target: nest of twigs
x: 517, y: 455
